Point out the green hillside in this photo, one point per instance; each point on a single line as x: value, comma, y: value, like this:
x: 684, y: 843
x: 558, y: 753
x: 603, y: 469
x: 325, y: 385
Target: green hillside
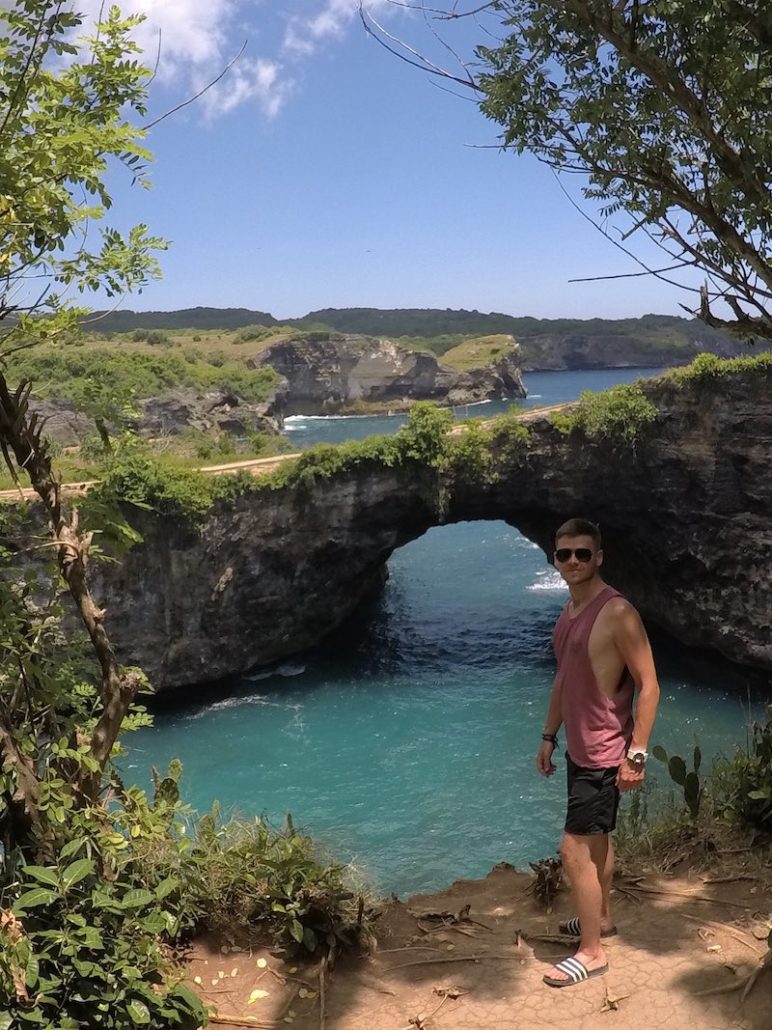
x: 436, y: 329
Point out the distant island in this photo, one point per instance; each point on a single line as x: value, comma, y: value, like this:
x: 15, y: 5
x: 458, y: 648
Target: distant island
x: 561, y: 343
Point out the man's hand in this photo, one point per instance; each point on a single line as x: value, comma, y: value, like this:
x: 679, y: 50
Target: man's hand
x: 544, y: 758
x: 628, y: 777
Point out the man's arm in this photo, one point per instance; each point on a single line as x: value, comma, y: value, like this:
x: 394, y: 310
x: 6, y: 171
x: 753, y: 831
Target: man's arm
x: 633, y: 644
x: 552, y: 724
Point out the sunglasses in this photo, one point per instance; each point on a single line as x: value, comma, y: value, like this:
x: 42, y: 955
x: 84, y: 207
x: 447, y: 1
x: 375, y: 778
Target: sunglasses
x: 582, y: 554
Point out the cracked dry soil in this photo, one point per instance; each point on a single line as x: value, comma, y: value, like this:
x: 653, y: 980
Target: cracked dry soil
x: 481, y: 968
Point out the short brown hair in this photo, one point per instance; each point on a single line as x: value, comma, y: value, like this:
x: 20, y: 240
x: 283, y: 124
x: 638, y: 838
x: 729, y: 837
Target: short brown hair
x: 580, y: 527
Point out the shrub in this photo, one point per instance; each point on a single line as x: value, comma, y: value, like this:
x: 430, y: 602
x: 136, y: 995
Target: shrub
x: 157, y: 338
x: 133, y: 476
x: 618, y: 414
x: 742, y: 785
x: 251, y: 333
x: 471, y: 457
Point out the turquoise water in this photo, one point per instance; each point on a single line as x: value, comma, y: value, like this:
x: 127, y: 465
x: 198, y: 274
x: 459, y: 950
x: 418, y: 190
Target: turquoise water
x: 406, y: 741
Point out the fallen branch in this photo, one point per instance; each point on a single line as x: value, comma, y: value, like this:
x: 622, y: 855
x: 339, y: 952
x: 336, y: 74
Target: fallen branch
x: 723, y: 928
x: 746, y: 982
x: 687, y: 894
x: 453, y: 958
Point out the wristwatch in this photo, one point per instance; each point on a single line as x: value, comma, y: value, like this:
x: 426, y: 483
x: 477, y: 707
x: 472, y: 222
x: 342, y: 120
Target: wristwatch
x: 637, y: 757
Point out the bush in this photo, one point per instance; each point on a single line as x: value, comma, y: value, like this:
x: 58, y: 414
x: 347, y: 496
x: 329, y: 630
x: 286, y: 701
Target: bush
x: 742, y: 786
x: 133, y: 476
x: 251, y: 333
x: 470, y: 456
x: 618, y: 414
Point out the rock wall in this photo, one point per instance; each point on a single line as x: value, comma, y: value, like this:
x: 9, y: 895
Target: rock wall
x: 327, y: 373
x: 587, y: 351
x: 685, y: 514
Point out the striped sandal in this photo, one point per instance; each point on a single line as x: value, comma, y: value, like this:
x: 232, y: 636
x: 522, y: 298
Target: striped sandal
x: 576, y: 972
x: 571, y: 928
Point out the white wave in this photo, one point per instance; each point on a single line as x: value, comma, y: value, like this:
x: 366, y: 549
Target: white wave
x: 254, y: 699
x: 548, y: 580
x: 333, y: 418
x: 535, y: 396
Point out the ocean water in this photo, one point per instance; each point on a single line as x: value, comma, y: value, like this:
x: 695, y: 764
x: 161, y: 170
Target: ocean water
x: 405, y: 742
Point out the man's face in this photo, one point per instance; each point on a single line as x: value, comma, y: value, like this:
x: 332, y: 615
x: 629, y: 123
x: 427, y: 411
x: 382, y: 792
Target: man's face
x: 577, y: 559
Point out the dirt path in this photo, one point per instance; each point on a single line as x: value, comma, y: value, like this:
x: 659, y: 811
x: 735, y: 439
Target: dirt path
x: 671, y: 946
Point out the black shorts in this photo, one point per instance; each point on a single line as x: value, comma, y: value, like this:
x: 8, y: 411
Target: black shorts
x: 593, y: 799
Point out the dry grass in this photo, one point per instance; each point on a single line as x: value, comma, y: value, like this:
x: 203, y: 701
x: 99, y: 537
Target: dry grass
x: 478, y: 352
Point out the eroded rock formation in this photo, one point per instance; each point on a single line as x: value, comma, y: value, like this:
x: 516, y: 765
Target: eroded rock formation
x: 685, y: 514
x: 327, y: 373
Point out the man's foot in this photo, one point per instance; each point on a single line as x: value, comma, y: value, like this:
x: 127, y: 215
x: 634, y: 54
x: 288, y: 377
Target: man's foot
x: 571, y: 927
x: 581, y: 966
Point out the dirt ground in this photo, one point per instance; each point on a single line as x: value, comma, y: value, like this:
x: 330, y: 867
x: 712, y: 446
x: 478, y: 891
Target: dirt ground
x: 481, y: 968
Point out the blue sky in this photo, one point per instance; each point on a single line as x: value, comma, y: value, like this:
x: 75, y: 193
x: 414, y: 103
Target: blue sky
x: 324, y: 172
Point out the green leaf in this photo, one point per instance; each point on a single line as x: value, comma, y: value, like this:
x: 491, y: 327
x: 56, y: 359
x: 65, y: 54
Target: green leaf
x: 139, y: 1012
x: 759, y: 795
x: 33, y: 971
x: 77, y: 871
x: 136, y: 898
x: 189, y: 998
x: 6, y: 1021
x: 43, y: 874
x: 34, y: 899
x: 660, y: 754
x: 71, y: 848
x: 296, y: 929
x: 165, y: 887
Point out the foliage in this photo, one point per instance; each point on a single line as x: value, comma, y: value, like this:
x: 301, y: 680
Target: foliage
x: 243, y: 874
x: 617, y: 414
x: 742, y: 787
x: 664, y: 106
x: 471, y: 456
x: 253, y: 333
x: 689, y: 780
x: 707, y: 369
x: 71, y: 375
x: 66, y: 111
x: 422, y: 441
x: 132, y: 476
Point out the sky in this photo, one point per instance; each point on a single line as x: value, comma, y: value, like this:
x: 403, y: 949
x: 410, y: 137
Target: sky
x: 322, y: 171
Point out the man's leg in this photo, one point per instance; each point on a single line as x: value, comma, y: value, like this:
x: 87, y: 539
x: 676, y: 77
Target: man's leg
x: 585, y: 860
x: 607, y: 876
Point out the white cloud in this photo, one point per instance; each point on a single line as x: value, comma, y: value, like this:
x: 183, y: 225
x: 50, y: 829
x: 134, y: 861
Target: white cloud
x: 325, y: 19
x: 199, y: 37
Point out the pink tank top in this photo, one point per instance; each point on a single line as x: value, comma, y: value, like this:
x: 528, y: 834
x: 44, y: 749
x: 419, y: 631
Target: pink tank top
x: 598, y: 728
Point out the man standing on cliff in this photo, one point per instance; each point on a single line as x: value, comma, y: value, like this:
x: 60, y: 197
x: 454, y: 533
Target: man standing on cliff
x: 603, y: 657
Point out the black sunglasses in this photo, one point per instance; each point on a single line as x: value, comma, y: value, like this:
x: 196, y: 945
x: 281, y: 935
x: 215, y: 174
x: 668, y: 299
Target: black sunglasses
x: 583, y: 554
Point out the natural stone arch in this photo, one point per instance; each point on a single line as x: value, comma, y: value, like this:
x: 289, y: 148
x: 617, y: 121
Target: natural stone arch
x: 685, y: 513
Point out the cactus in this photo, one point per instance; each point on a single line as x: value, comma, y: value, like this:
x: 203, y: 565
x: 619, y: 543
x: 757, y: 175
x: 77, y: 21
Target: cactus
x: 688, y: 780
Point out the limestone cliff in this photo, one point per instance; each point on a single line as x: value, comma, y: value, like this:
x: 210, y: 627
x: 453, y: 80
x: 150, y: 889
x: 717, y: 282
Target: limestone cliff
x: 585, y: 350
x: 685, y: 513
x: 327, y: 373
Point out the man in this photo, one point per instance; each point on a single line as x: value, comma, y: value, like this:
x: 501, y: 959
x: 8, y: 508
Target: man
x: 603, y: 657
